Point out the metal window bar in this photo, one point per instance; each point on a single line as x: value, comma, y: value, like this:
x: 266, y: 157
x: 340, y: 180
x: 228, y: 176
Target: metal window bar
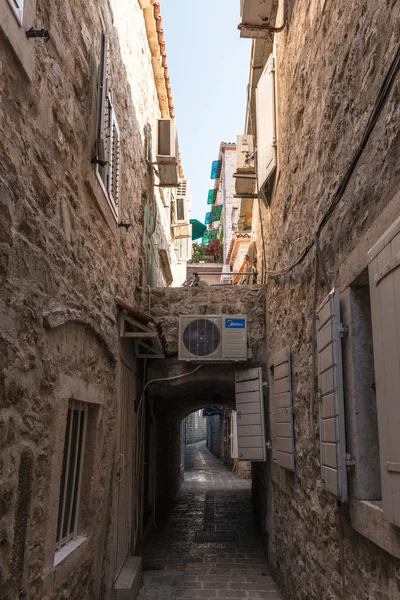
x: 71, y: 477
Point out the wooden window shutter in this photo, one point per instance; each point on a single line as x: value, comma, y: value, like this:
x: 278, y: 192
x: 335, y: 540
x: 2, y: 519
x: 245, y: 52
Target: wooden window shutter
x: 102, y: 113
x: 114, y: 160
x: 234, y: 435
x: 283, y: 403
x: 266, y: 123
x: 330, y: 384
x: 18, y: 9
x: 250, y: 415
x: 384, y: 275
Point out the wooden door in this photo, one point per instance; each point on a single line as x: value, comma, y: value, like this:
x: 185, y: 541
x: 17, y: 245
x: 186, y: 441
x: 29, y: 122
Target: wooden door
x: 124, y: 479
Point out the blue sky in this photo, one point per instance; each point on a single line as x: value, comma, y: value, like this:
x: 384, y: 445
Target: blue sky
x: 208, y: 64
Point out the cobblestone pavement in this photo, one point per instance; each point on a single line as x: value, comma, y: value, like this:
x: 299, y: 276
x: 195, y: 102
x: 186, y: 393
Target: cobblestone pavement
x: 208, y: 547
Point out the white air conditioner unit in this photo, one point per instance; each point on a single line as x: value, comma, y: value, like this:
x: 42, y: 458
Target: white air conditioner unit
x: 167, y: 153
x: 245, y: 154
x: 213, y: 338
x: 182, y: 203
x: 245, y: 176
x: 255, y: 13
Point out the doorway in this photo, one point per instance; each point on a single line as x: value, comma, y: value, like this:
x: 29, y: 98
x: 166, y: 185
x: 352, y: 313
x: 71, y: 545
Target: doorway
x: 126, y: 395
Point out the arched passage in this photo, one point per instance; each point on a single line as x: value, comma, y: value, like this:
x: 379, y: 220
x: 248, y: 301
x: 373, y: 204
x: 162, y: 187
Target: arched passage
x: 172, y: 401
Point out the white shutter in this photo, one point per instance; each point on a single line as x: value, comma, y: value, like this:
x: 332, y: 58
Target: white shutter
x: 250, y: 415
x: 330, y: 383
x: 18, y: 9
x: 283, y: 403
x: 102, y: 100
x: 266, y: 123
x: 183, y: 247
x: 114, y: 160
x: 234, y: 434
x: 384, y: 273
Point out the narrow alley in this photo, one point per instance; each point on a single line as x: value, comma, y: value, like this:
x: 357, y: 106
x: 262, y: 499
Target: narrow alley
x: 199, y: 300
x: 208, y: 547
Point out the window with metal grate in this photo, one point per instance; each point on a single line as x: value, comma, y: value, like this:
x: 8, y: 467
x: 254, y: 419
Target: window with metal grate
x: 71, y: 476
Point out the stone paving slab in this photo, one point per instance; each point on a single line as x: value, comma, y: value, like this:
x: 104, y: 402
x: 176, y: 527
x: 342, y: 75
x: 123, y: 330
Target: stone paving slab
x: 212, y: 499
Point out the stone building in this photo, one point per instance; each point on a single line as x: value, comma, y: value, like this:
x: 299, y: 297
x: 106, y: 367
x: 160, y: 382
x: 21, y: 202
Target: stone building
x: 231, y: 216
x: 82, y: 226
x: 195, y: 427
x: 223, y: 205
x: 324, y: 112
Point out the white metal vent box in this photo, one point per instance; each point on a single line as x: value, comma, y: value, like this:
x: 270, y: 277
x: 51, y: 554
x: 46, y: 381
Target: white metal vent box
x: 217, y: 338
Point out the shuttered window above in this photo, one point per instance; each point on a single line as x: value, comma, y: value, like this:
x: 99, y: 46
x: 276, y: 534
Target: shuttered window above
x: 384, y: 276
x: 330, y: 383
x: 183, y: 248
x: 210, y: 235
x: 212, y: 194
x: 216, y: 169
x: 282, y: 401
x: 266, y: 123
x: 250, y: 415
x: 108, y: 147
x: 216, y: 213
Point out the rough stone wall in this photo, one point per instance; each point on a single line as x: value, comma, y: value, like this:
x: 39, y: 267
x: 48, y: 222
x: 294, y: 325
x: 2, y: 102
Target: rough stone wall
x: 331, y: 60
x: 167, y: 304
x: 196, y: 427
x: 63, y: 263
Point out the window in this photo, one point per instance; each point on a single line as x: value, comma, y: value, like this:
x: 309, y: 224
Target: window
x: 384, y: 278
x: 17, y: 7
x: 235, y: 211
x: 107, y: 158
x: 372, y: 358
x: 266, y: 123
x: 15, y: 17
x: 71, y: 476
x: 180, y: 210
x: 361, y: 391
x: 183, y: 249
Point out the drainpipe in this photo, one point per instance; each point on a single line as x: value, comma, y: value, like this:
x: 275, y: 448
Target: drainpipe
x: 147, y: 7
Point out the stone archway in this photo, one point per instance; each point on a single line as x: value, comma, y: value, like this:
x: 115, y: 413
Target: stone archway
x: 173, y: 400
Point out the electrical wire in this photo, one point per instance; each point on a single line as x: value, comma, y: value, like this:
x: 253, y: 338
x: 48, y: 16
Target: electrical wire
x: 380, y: 101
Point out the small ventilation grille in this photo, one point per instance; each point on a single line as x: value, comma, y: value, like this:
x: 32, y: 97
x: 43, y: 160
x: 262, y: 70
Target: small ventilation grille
x: 216, y: 537
x: 182, y: 188
x: 201, y: 337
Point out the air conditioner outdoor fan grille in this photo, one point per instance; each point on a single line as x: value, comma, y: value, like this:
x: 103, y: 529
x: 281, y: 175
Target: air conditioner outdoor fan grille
x: 201, y: 337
